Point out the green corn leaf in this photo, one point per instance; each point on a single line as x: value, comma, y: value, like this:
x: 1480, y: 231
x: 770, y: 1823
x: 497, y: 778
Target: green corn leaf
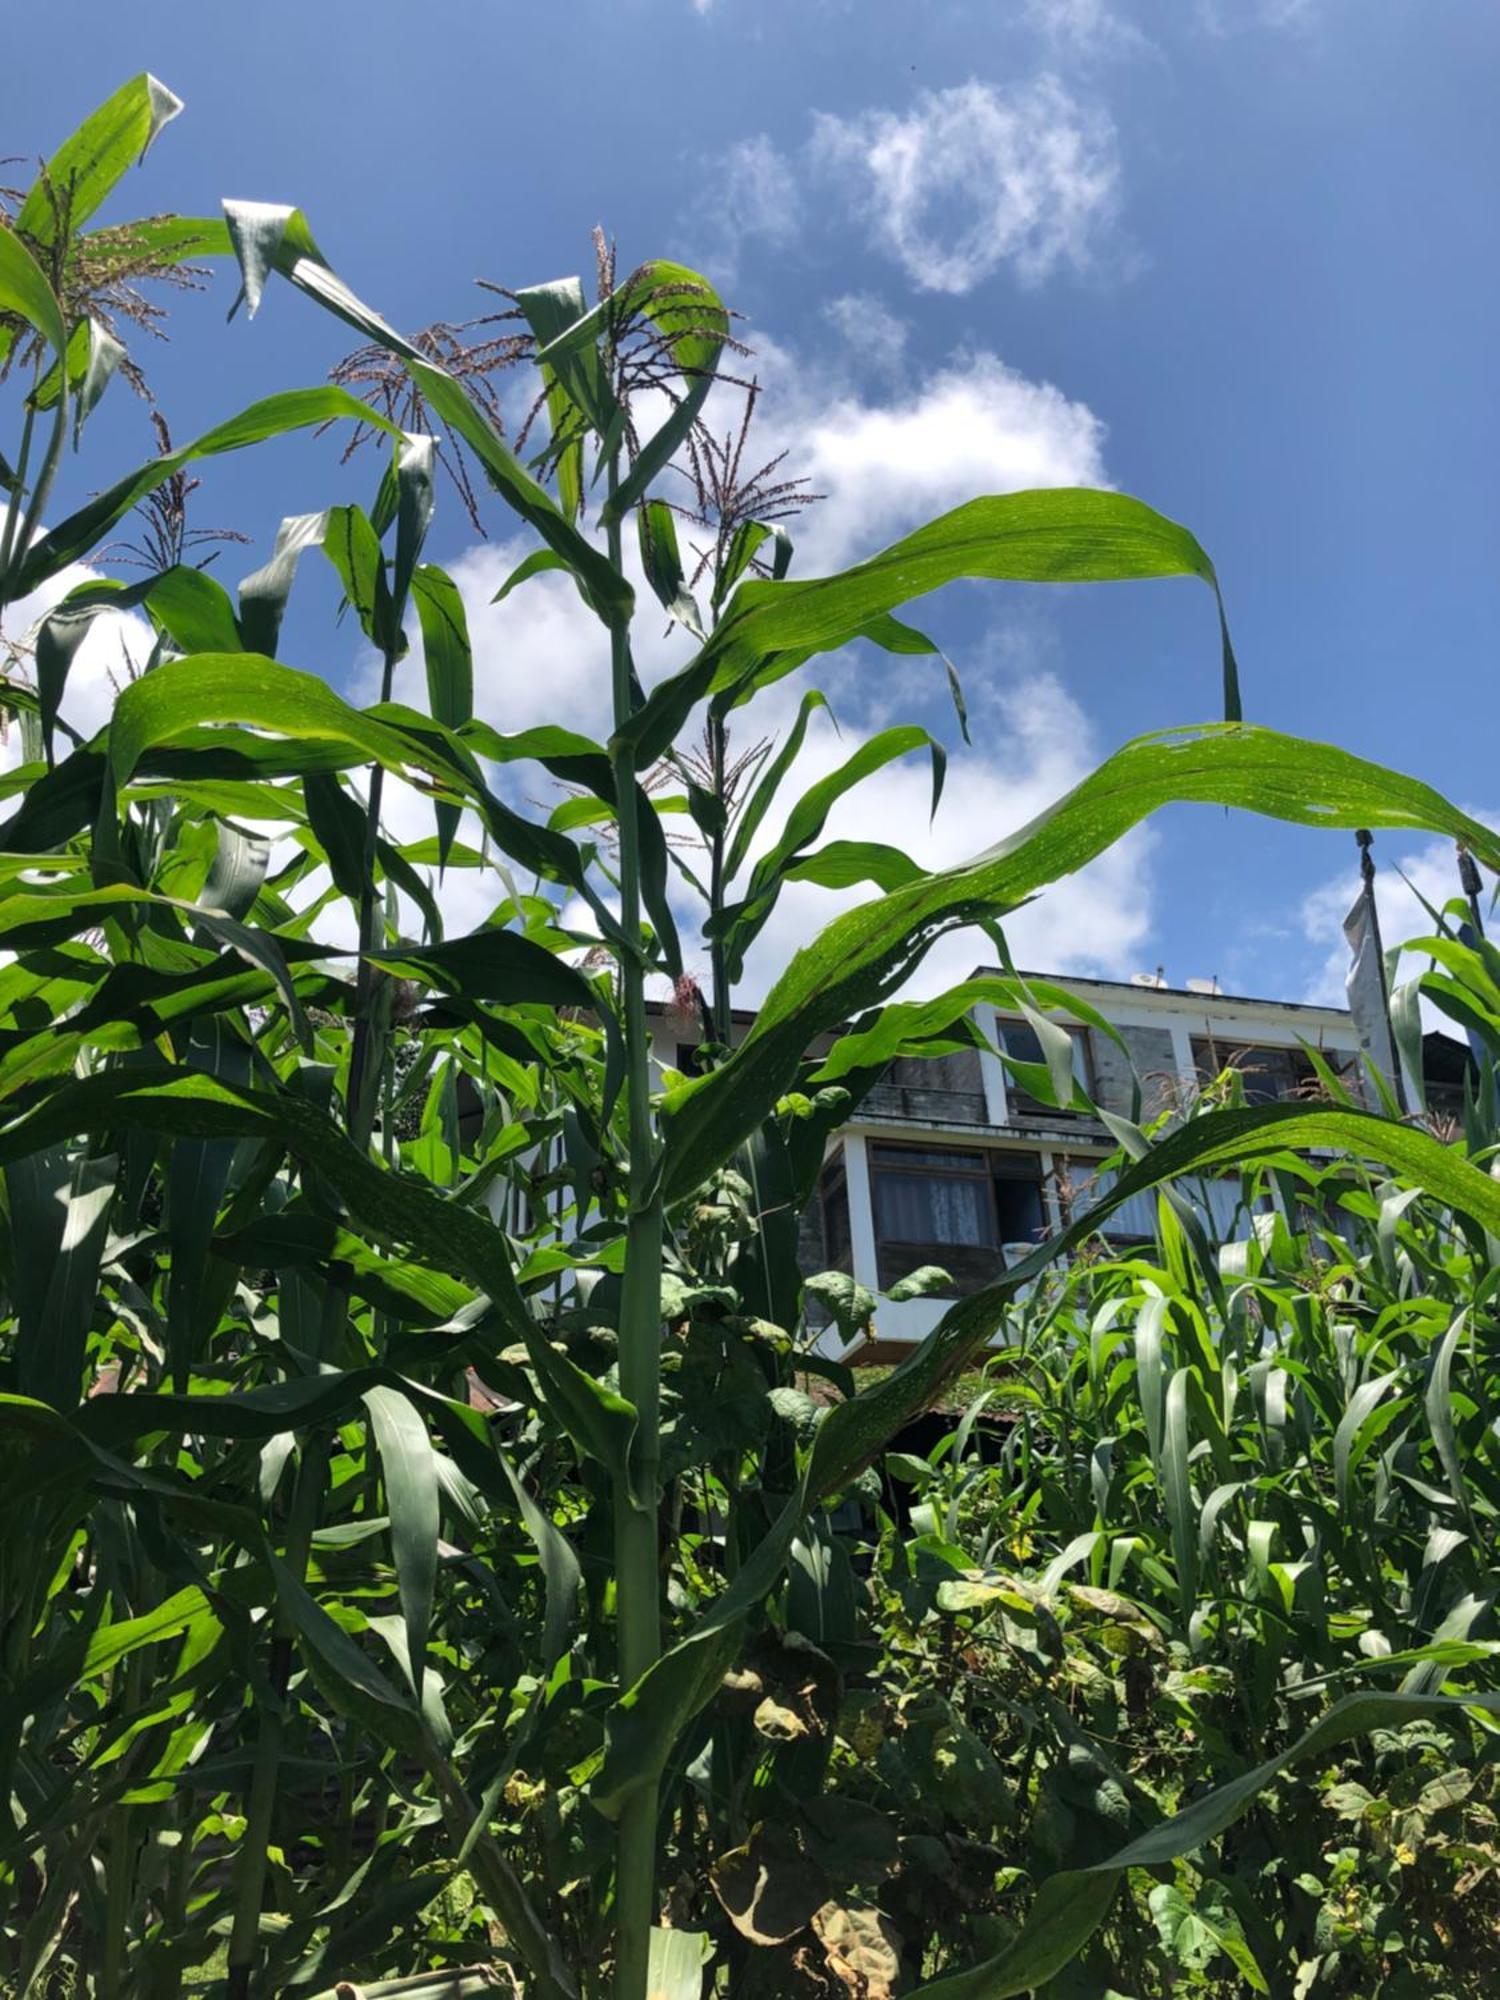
x: 661, y: 559
x: 1150, y: 1373
x: 171, y: 707
x: 1178, y: 1490
x: 185, y: 603
x: 560, y: 1570
x: 197, y: 1179
x: 390, y: 1206
x: 186, y: 1610
x: 450, y: 672
x: 351, y: 544
x: 863, y: 955
x: 1057, y: 535
x: 339, y: 828
x: 59, y: 1216
x: 748, y: 820
x: 89, y: 164
x: 94, y: 354
x: 295, y: 409
x: 742, y: 923
x: 24, y: 290
x: 843, y: 863
x: 493, y: 965
x: 264, y: 594
x: 600, y: 1422
x: 409, y: 1469
x: 1439, y: 1406
x: 415, y: 500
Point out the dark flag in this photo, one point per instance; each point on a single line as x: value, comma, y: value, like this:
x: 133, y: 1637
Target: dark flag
x: 1365, y: 983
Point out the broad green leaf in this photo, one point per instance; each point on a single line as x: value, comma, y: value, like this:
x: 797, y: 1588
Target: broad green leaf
x: 748, y: 820
x: 264, y: 594
x: 450, y: 671
x: 560, y: 1569
x: 88, y: 165
x: 1056, y: 535
x: 168, y: 1620
x: 409, y: 1471
x: 296, y: 409
x: 742, y: 923
x: 25, y: 290
x: 1177, y: 1486
x: 94, y: 354
x: 59, y: 1214
x: 1352, y: 1425
x: 172, y: 706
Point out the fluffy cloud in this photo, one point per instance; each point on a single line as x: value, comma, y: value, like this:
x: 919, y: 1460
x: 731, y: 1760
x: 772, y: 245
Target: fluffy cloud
x: 975, y: 177
x: 883, y: 465
x: 1085, y: 27
x: 874, y: 338
x: 1230, y: 17
x: 964, y: 182
x: 751, y: 191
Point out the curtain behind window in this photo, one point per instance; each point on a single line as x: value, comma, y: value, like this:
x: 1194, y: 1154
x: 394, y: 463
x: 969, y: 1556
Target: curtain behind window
x: 932, y: 1208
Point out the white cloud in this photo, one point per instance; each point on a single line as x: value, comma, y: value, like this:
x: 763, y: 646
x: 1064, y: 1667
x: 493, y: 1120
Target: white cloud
x: 1232, y: 17
x: 751, y: 191
x: 886, y: 464
x: 975, y: 177
x: 1085, y: 27
x: 874, y: 338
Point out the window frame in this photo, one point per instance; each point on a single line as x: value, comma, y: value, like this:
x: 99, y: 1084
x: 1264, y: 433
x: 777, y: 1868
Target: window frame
x: 1018, y: 1101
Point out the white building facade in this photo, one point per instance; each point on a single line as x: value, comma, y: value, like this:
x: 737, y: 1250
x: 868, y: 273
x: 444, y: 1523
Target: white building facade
x: 948, y: 1161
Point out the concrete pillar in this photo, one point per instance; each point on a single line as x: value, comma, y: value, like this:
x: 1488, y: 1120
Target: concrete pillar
x: 991, y: 1069
x: 861, y: 1211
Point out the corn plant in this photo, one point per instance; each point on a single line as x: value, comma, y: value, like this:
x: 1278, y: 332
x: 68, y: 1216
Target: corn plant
x: 406, y: 1449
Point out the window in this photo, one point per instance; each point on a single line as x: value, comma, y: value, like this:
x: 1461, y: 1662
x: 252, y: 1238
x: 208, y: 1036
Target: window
x: 833, y: 1196
x: 1018, y: 1198
x: 1020, y: 1040
x: 947, y: 1089
x: 951, y: 1206
x: 1271, y: 1074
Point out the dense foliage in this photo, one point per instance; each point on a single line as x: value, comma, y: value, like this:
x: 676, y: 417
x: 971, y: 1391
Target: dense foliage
x: 431, y: 1541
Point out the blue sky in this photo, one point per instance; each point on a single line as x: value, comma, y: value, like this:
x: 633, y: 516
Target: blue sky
x: 1235, y: 256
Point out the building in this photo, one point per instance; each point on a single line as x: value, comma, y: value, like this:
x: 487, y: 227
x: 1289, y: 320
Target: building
x: 949, y: 1162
